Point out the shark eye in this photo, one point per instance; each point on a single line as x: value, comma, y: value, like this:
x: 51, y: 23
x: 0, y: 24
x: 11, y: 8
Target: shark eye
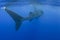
x: 31, y: 13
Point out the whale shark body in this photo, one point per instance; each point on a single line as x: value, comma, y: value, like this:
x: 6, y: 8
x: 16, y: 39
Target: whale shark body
x: 19, y: 19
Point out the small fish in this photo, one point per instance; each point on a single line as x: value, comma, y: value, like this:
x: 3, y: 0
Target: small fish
x: 19, y: 19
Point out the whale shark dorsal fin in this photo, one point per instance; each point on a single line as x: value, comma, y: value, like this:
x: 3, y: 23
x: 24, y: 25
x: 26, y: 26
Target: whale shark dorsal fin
x: 17, y: 18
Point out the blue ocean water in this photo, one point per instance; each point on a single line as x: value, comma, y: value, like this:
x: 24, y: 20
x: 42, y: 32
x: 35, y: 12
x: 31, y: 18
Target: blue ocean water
x: 46, y: 27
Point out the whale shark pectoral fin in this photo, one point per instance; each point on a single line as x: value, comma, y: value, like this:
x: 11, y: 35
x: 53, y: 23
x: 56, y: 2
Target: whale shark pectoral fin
x: 17, y: 18
x: 18, y: 25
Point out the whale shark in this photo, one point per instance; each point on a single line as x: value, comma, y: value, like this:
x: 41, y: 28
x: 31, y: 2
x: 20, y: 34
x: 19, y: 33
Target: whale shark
x: 19, y: 19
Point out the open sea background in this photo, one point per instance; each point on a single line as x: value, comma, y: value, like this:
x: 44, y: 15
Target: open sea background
x: 46, y: 27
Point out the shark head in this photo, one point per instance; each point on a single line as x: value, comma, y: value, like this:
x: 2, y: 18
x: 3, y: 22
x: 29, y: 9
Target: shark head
x: 34, y: 14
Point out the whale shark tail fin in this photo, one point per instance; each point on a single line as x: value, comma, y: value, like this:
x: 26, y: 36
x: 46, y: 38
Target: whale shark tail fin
x: 17, y: 18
